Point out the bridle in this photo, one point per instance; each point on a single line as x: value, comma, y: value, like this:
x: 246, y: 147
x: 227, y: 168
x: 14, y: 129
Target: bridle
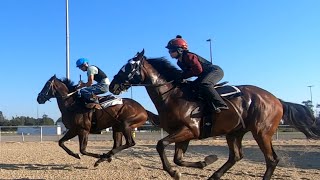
x: 46, y: 94
x: 136, y: 72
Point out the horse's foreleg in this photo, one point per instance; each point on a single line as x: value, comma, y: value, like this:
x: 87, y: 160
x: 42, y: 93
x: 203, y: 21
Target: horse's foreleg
x: 83, y: 142
x: 69, y: 135
x: 235, y: 154
x: 181, y: 148
x: 179, y: 136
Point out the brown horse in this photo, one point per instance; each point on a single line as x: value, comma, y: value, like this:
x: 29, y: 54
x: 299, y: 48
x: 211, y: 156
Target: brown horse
x: 181, y: 113
x: 123, y: 118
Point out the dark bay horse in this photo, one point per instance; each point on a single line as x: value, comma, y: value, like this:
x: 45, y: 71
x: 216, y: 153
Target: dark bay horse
x: 180, y: 113
x: 123, y: 118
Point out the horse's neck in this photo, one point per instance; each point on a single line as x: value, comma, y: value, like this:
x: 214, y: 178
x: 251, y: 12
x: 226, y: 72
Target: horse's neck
x: 62, y: 100
x: 159, y: 90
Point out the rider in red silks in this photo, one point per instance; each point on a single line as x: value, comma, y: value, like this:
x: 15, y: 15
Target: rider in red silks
x: 194, y: 65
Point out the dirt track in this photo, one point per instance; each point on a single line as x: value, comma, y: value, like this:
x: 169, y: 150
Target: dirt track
x: 300, y: 159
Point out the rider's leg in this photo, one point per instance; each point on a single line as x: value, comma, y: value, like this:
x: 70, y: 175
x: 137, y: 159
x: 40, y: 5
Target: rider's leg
x: 215, y: 101
x: 89, y: 92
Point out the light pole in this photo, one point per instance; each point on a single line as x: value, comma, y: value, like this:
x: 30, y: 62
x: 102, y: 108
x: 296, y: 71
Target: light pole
x: 67, y: 41
x: 209, y: 40
x: 310, y: 87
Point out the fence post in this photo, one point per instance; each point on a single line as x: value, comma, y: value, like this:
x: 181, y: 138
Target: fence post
x: 40, y: 133
x: 277, y: 134
x: 0, y: 133
x: 22, y: 137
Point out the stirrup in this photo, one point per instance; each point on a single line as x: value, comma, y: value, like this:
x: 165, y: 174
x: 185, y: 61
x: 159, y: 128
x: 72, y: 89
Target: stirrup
x: 217, y: 110
x: 223, y: 108
x: 213, y: 108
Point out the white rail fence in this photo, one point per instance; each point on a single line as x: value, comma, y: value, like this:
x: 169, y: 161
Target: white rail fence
x: 54, y: 133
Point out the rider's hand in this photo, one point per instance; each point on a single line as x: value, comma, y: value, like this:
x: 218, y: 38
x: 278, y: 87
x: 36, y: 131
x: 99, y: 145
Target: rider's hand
x: 80, y: 84
x: 179, y: 81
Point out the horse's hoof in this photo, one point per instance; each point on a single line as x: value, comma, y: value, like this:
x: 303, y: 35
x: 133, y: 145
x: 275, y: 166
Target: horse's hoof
x: 177, y: 175
x: 210, y: 159
x: 214, y: 177
x: 96, y: 163
x: 77, y: 156
x: 101, y: 160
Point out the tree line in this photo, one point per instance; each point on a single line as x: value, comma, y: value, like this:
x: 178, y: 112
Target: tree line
x: 26, y: 121
x: 308, y: 104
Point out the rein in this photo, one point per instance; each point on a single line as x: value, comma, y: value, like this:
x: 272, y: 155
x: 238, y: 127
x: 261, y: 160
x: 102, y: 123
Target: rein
x: 68, y: 95
x: 146, y: 85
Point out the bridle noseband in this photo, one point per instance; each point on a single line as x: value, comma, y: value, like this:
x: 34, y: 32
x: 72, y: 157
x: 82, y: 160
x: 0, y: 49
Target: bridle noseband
x: 46, y: 95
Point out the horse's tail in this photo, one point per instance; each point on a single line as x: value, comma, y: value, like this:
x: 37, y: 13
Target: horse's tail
x: 301, y: 118
x: 153, y: 118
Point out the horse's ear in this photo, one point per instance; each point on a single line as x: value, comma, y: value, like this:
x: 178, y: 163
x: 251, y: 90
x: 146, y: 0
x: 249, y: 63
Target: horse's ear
x: 140, y: 55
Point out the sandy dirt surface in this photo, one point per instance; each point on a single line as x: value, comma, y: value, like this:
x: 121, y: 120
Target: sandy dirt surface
x: 300, y: 159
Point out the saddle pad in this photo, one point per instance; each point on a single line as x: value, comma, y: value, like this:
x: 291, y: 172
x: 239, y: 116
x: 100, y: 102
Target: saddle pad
x: 227, y: 90
x: 110, y: 101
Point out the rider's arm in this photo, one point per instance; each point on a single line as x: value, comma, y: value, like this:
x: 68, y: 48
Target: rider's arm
x: 194, y: 66
x: 90, y: 80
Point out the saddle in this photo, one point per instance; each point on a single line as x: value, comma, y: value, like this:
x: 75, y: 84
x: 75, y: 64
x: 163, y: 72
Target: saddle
x: 104, y: 102
x: 225, y: 91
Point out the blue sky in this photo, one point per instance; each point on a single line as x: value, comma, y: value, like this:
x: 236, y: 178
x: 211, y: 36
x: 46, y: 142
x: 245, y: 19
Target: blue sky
x: 271, y: 44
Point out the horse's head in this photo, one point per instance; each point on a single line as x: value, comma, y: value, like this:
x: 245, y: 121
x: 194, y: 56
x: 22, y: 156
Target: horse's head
x: 129, y: 74
x: 47, y: 91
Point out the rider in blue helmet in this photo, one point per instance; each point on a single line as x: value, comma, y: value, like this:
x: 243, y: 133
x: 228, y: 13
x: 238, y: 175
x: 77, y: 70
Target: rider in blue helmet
x: 94, y: 74
x: 81, y: 61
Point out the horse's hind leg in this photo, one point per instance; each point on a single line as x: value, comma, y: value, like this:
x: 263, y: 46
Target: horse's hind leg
x: 181, y: 148
x: 117, y: 139
x: 235, y: 154
x: 117, y: 142
x: 71, y: 133
x: 265, y: 143
x: 83, y: 141
x: 127, y: 133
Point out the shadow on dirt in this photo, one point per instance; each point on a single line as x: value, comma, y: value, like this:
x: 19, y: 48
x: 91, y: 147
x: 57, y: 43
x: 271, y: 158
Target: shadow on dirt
x: 40, y: 167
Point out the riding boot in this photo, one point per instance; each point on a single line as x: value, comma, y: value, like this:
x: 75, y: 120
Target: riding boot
x: 91, y: 101
x: 215, y: 101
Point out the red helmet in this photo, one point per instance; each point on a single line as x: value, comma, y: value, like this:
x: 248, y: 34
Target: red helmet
x: 176, y: 43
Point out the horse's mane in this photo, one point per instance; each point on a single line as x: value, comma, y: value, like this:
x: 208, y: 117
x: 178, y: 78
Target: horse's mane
x: 70, y: 84
x: 165, y: 68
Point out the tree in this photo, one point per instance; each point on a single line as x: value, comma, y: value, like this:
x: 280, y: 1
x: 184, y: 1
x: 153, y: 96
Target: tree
x: 317, y: 111
x: 2, y: 119
x: 46, y: 120
x: 59, y: 120
x: 309, y: 105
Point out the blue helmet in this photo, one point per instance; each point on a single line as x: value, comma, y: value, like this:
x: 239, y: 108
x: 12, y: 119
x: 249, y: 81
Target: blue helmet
x: 81, y: 61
